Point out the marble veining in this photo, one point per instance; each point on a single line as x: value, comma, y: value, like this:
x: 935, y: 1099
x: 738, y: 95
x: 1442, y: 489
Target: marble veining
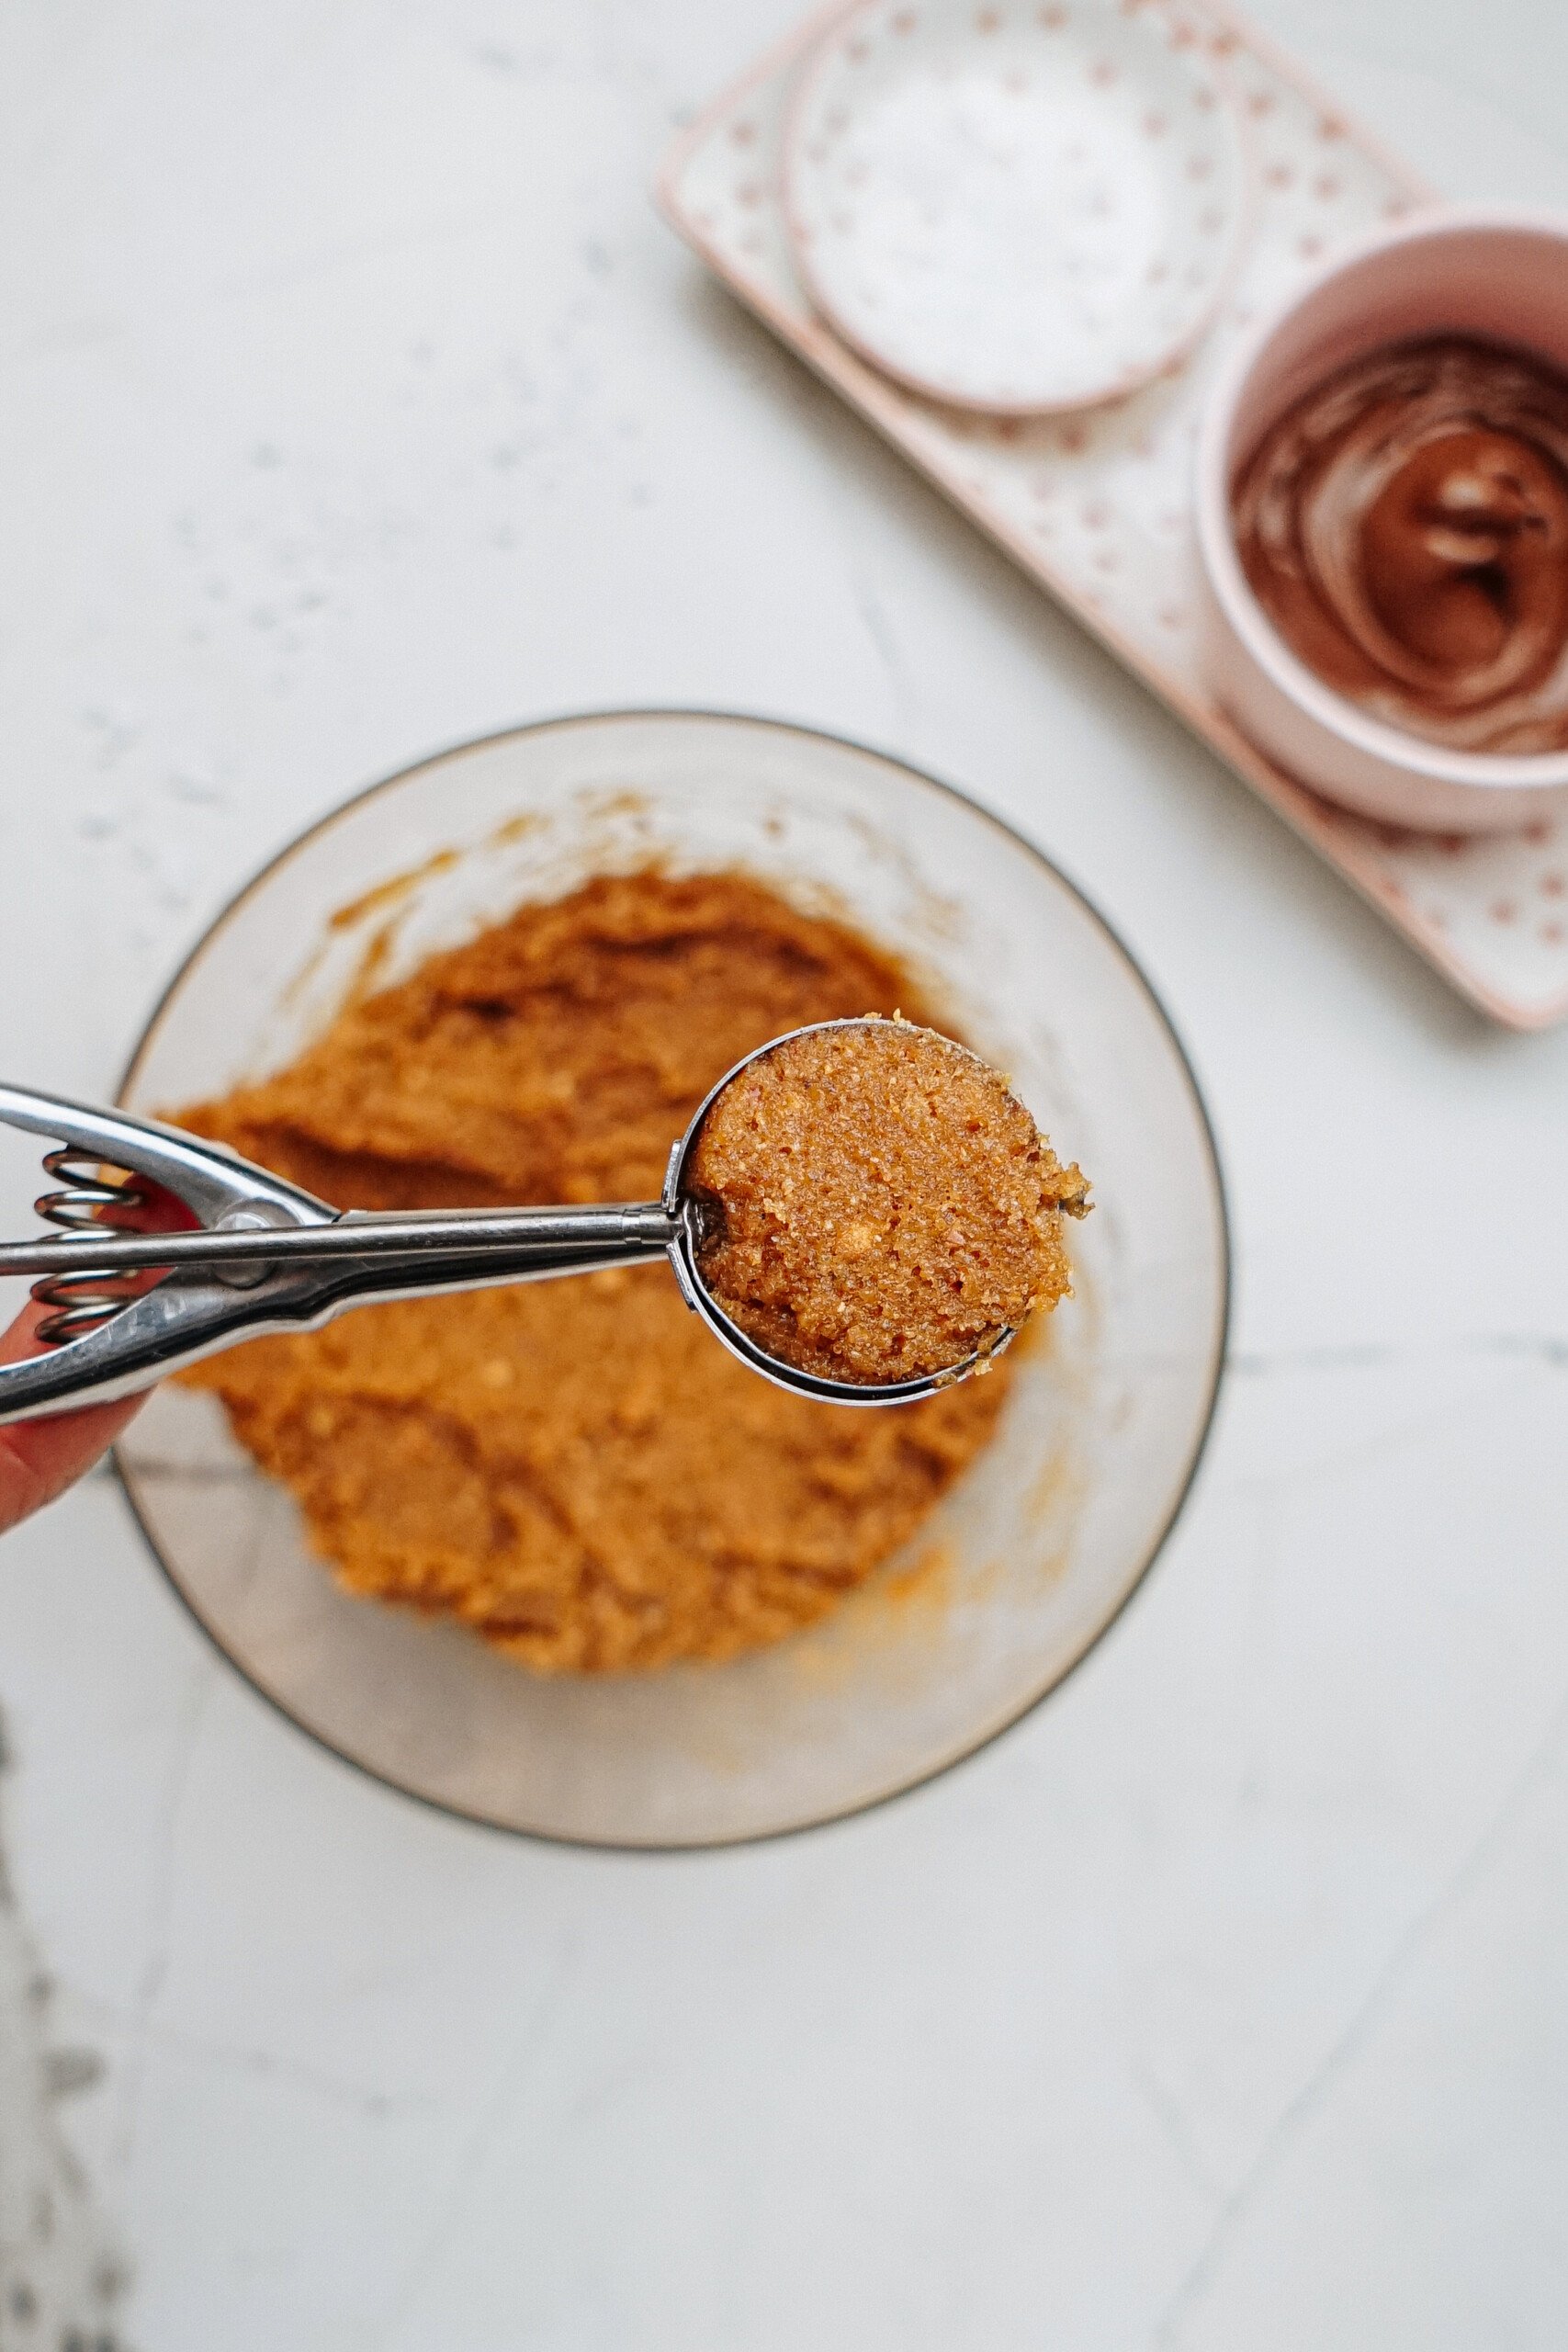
x: 61, y: 2278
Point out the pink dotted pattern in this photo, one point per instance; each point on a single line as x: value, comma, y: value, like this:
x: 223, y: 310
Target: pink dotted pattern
x: 1094, y: 504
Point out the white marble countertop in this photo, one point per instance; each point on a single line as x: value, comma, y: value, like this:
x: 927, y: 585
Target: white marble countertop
x: 357, y: 402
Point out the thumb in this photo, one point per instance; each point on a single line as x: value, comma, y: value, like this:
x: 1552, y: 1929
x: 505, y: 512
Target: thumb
x: 40, y: 1459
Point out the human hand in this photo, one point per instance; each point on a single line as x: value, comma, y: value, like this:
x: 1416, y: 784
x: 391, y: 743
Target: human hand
x: 40, y: 1459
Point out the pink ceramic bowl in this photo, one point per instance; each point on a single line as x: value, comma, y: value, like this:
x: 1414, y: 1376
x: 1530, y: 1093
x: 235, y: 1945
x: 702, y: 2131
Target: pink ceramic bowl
x: 1503, y: 277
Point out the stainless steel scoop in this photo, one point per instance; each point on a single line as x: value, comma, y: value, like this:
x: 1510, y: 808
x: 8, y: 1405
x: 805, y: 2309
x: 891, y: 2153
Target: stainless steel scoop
x: 266, y: 1257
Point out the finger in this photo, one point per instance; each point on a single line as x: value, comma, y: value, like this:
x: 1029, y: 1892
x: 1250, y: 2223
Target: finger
x: 40, y: 1459
x: 153, y: 1209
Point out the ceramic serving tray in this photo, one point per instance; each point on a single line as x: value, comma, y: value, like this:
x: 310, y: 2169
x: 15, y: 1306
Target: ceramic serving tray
x: 1096, y: 504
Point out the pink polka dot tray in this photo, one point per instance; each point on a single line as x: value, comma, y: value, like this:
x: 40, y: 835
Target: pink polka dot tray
x: 1096, y: 503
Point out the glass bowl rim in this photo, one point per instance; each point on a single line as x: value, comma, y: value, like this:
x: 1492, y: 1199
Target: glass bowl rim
x: 906, y: 770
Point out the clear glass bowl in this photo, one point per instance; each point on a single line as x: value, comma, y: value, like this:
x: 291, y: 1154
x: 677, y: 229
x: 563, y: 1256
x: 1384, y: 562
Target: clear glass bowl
x: 1035, y: 1551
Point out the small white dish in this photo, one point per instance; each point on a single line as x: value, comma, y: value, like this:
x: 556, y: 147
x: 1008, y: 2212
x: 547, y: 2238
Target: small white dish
x: 1014, y: 205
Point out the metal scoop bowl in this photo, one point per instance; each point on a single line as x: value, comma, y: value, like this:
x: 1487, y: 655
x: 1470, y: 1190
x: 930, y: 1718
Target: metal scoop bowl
x: 266, y: 1257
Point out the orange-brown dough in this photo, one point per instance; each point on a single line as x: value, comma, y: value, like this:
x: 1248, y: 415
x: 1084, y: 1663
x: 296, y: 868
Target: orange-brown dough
x: 880, y: 1206
x: 576, y: 1469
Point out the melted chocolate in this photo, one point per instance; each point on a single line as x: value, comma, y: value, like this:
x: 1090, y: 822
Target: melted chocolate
x: 1404, y: 526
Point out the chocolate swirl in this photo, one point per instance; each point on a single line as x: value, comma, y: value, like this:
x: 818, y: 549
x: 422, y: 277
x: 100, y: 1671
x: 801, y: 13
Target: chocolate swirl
x: 1404, y: 526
